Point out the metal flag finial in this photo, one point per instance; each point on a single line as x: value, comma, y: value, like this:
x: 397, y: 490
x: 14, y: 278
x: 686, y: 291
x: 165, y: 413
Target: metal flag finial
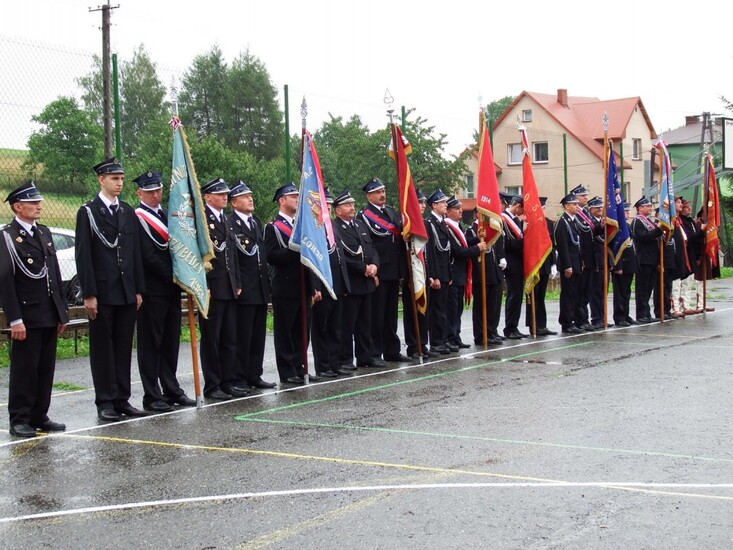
x: 388, y: 100
x: 174, y: 96
x: 303, y: 111
x: 605, y: 121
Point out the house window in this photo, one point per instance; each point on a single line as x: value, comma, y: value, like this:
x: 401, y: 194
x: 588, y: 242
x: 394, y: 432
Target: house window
x: 514, y: 151
x: 636, y: 153
x: 514, y: 190
x: 527, y: 115
x: 468, y: 188
x: 540, y: 152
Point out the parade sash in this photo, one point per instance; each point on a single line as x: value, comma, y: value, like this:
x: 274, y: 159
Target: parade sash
x: 153, y: 221
x: 287, y: 231
x: 381, y: 222
x: 512, y: 225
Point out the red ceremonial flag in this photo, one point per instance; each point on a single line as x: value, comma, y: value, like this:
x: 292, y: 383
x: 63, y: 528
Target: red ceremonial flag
x: 487, y: 187
x: 711, y: 211
x: 413, y: 226
x: 537, y: 243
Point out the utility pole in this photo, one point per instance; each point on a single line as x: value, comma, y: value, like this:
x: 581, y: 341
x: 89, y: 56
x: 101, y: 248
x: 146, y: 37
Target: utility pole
x: 106, y: 81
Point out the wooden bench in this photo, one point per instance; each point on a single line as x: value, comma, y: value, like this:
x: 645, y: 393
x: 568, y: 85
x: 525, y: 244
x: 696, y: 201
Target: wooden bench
x: 74, y: 325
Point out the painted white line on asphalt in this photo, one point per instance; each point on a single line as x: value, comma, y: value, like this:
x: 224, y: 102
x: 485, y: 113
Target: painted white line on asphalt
x: 403, y: 487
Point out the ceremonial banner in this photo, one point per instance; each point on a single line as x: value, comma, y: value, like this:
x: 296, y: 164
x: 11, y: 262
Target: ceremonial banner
x: 711, y: 211
x: 666, y: 191
x: 308, y: 237
x: 487, y: 187
x: 413, y: 226
x: 190, y: 246
x: 617, y: 230
x: 537, y: 243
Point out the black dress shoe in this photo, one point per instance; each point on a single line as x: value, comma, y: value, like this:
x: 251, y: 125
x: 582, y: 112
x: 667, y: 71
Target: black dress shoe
x: 218, y: 395
x: 348, y: 366
x: 49, y: 426
x: 399, y: 358
x: 587, y: 327
x: 108, y: 415
x: 441, y: 350
x: 545, y: 332
x: 261, y: 384
x: 462, y: 345
x: 182, y: 400
x: 623, y: 324
x: 451, y: 347
x: 571, y: 330
x: 293, y: 380
x: 237, y: 391
x: 373, y: 363
x: 314, y: 378
x: 327, y: 374
x: 516, y: 335
x: 129, y: 410
x: 631, y: 321
x: 344, y: 372
x: 431, y: 353
x: 158, y: 407
x: 22, y: 430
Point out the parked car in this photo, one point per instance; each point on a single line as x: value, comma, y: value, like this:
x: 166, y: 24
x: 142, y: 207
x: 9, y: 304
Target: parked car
x: 64, y: 240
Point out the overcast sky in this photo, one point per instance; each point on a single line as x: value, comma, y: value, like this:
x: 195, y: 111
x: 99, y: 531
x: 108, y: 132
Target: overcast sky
x: 436, y: 57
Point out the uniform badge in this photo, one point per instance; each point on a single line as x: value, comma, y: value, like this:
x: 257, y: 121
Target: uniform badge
x: 212, y: 226
x: 246, y: 241
x: 22, y: 232
x: 18, y: 240
x: 216, y: 243
x: 30, y: 260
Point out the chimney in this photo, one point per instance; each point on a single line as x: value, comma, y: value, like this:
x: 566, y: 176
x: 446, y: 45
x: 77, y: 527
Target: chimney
x: 692, y: 119
x: 562, y: 97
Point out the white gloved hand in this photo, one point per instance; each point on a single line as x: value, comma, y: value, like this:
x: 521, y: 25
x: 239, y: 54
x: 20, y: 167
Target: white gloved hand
x: 553, y: 272
x: 502, y: 264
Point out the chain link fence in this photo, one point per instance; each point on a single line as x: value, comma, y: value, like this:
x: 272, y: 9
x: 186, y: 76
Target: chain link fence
x: 35, y: 75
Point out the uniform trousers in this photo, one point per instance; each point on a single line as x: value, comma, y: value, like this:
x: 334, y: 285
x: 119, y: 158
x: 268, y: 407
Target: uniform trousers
x: 621, y: 296
x: 513, y: 305
x: 326, y: 333
x: 251, y: 333
x: 540, y: 309
x: 408, y: 322
x: 356, y: 331
x: 645, y: 282
x: 110, y: 353
x: 288, y: 336
x: 596, y: 297
x: 438, y: 320
x: 219, y: 345
x: 158, y: 342
x: 493, y: 312
x: 570, y: 300
x: 32, y: 364
x: 385, y: 302
x: 454, y: 312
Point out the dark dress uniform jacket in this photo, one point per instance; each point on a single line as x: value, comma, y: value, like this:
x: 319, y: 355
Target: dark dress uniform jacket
x: 284, y: 262
x: 460, y: 256
x: 156, y: 258
x: 223, y: 280
x: 646, y: 243
x: 253, y: 271
x: 390, y: 247
x: 567, y: 244
x: 38, y: 302
x: 437, y: 257
x: 358, y: 253
x: 113, y: 275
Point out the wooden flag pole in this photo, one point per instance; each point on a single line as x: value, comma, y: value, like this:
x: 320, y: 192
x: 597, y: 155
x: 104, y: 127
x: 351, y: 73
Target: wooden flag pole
x: 482, y: 261
x: 194, y: 350
x: 303, y: 304
x: 606, y: 166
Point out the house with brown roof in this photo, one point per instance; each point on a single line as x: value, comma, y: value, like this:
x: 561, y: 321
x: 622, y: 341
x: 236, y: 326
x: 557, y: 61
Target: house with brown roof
x: 566, y: 137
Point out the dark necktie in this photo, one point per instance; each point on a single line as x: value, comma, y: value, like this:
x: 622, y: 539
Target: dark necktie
x: 113, y: 209
x: 162, y: 215
x: 35, y: 235
x: 251, y: 224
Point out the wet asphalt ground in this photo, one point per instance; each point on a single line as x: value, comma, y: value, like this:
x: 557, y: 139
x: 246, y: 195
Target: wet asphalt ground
x: 614, y: 439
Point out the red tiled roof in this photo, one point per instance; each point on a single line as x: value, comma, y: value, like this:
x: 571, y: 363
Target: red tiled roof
x: 582, y: 117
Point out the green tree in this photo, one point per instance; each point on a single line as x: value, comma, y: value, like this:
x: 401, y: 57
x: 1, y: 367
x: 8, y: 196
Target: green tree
x: 65, y: 148
x: 253, y: 120
x: 92, y: 90
x: 203, y: 95
x: 142, y: 101
x: 496, y: 108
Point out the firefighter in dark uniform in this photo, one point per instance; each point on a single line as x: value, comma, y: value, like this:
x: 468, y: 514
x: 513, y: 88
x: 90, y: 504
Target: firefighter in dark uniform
x: 35, y: 309
x: 514, y: 272
x: 385, y: 227
x: 288, y: 279
x: 567, y: 244
x: 159, y: 316
x: 110, y: 271
x: 438, y: 270
x: 588, y: 230
x: 255, y: 295
x: 646, y: 235
x: 623, y: 276
x: 328, y: 313
x: 362, y: 264
x: 494, y: 280
x: 462, y: 253
x: 218, y: 329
